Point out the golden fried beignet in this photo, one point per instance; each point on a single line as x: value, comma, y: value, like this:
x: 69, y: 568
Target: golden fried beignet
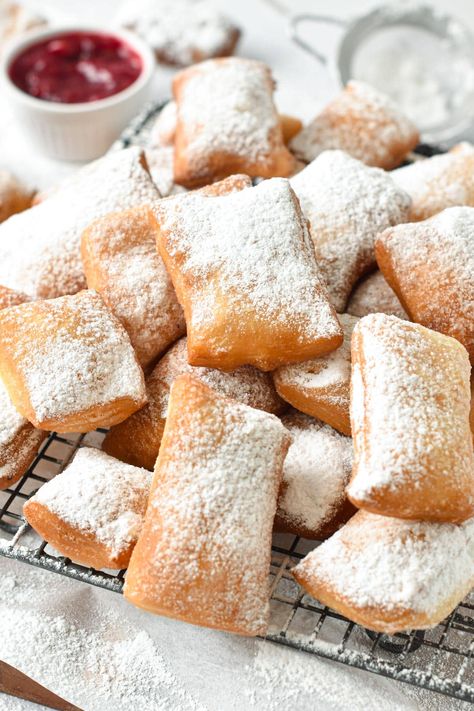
x: 290, y: 127
x: 471, y: 413
x: 430, y: 266
x: 137, y: 440
x: 373, y: 295
x: 244, y: 270
x: 312, y: 501
x: 68, y: 364
x: 363, y: 122
x: 410, y: 397
x: 93, y: 511
x: 347, y: 205
x: 390, y: 575
x: 439, y: 182
x: 14, y: 197
x: 227, y: 123
x: 203, y: 555
x: 9, y: 297
x: 40, y: 249
x: 19, y: 441
x: 121, y: 263
x: 320, y: 387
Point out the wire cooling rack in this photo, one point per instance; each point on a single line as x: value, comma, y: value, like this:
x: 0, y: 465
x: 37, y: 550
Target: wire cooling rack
x: 441, y: 659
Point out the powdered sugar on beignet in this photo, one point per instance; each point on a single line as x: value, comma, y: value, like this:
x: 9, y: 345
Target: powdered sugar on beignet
x: 98, y: 497
x: 347, y: 205
x: 430, y: 266
x: 251, y: 290
x: 363, y: 122
x: 40, y: 249
x: 373, y: 295
x: 317, y: 468
x: 410, y: 398
x: 204, y: 553
x: 391, y: 575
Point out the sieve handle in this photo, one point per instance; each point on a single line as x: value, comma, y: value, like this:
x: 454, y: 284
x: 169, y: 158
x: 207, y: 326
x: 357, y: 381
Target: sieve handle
x: 298, y: 20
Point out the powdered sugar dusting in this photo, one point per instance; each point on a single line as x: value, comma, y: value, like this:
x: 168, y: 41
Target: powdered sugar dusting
x: 40, y: 248
x: 101, y: 496
x: 163, y: 130
x: 15, y: 445
x: 363, y: 122
x: 395, y: 565
x: 373, y: 295
x: 160, y: 160
x: 315, y: 473
x: 257, y: 253
x: 72, y: 354
x: 347, y: 205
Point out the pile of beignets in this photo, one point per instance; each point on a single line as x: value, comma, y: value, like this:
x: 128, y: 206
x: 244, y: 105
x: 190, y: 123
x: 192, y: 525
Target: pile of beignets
x: 283, y: 336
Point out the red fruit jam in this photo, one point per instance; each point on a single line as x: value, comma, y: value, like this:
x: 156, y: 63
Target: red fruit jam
x: 76, y: 67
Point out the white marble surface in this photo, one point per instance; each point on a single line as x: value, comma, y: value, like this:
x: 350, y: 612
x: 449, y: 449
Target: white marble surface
x: 217, y: 671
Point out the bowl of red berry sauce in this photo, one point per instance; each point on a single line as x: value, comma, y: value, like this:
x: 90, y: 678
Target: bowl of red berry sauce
x: 75, y: 89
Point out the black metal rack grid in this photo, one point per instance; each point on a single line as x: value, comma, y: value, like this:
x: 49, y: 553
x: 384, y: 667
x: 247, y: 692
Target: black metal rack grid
x: 441, y: 659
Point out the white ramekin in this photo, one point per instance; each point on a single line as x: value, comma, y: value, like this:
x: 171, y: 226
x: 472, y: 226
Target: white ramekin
x: 76, y: 132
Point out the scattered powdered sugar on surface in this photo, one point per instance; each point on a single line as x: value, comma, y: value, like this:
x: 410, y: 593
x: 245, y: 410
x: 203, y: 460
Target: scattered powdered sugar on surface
x: 181, y: 32
x: 374, y: 295
x: 395, y: 564
x: 219, y: 472
x: 361, y: 121
x: 72, y: 354
x: 437, y: 255
x: 347, y: 204
x: 40, y: 248
x: 409, y: 407
x: 316, y: 471
x: 226, y: 106
x: 439, y: 182
x: 328, y: 371
x: 257, y: 252
x: 101, y: 496
x: 133, y: 280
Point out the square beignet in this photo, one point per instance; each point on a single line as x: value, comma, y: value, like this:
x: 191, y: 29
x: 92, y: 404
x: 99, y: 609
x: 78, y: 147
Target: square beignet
x: 137, y: 440
x: 227, y: 123
x: 68, y: 364
x: 363, y: 122
x: 347, y: 205
x: 373, y: 295
x: 19, y: 441
x: 93, y: 511
x: 40, y: 249
x: 244, y: 270
x: 430, y: 266
x: 439, y: 182
x: 390, y: 575
x: 410, y: 399
x: 321, y: 387
x: 122, y: 264
x: 203, y: 555
x: 312, y: 502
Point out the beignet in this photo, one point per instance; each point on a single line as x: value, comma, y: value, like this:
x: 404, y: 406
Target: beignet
x: 244, y: 270
x: 14, y: 197
x: 363, y: 122
x: 410, y: 398
x: 312, y: 501
x: 137, y: 440
x: 227, y: 123
x: 439, y: 182
x: 430, y: 266
x: 19, y: 441
x: 9, y: 297
x: 321, y: 387
x: 121, y: 263
x: 372, y: 295
x: 93, y: 511
x: 347, y: 205
x: 68, y: 364
x: 40, y: 249
x: 203, y: 555
x: 390, y: 575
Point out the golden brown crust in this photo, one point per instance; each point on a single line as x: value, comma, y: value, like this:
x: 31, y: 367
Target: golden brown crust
x: 14, y: 197
x: 9, y: 297
x: 17, y: 455
x: 290, y: 127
